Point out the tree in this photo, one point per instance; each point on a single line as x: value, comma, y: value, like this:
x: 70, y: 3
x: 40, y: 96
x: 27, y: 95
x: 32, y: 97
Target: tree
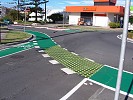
x: 33, y: 9
x: 56, y: 17
x: 36, y: 3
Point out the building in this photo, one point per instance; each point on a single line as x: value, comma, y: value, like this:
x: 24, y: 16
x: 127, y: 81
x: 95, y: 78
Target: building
x: 101, y: 14
x: 32, y: 16
x: 2, y: 11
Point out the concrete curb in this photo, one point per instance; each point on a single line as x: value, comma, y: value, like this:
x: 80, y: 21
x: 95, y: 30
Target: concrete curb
x: 3, y: 46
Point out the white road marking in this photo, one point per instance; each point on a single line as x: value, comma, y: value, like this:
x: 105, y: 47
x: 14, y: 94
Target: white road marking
x: 64, y: 48
x: 74, y: 53
x: 35, y: 43
x: 91, y: 83
x: 15, y: 52
x: 110, y: 88
x: 45, y: 55
x: 37, y: 47
x: 85, y: 84
x: 68, y: 71
x: 117, y: 69
x: 74, y: 89
x: 90, y: 59
x: 53, y: 62
x: 41, y: 51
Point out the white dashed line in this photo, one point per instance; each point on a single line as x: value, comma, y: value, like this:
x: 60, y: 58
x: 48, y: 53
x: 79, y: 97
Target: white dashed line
x: 35, y: 43
x: 37, y: 47
x: 68, y: 71
x: 74, y: 53
x: 41, y: 51
x: 45, y: 55
x: 53, y: 62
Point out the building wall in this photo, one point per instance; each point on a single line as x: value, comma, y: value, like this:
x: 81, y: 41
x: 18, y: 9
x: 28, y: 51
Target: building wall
x: 100, y: 20
x: 73, y: 18
x: 111, y: 17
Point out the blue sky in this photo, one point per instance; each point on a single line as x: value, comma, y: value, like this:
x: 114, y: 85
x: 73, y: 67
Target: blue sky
x: 61, y: 4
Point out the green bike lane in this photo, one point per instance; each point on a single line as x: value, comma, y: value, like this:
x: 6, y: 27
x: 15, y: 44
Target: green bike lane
x: 106, y: 75
x: 42, y: 39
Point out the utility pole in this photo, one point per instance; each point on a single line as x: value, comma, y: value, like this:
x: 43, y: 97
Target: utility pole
x: 123, y: 47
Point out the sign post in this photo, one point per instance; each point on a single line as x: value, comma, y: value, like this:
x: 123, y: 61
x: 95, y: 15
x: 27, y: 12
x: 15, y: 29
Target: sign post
x: 123, y: 47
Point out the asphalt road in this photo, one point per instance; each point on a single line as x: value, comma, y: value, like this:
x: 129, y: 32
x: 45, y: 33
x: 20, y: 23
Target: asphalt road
x: 30, y: 76
x: 102, y: 47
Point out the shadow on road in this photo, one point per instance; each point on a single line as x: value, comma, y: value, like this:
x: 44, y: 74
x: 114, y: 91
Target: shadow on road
x: 129, y: 90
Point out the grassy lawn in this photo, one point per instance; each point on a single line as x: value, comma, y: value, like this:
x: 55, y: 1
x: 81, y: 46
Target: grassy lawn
x: 12, y: 36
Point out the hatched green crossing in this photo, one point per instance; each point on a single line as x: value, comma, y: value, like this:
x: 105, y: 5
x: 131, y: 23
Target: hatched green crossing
x: 76, y: 63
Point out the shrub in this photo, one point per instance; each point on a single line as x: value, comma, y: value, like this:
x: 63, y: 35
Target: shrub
x: 19, y: 21
x: 114, y: 25
x: 131, y: 20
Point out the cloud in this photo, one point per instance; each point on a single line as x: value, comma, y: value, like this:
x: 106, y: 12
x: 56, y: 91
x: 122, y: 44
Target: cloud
x: 88, y: 2
x: 120, y: 3
x: 82, y: 2
x: 72, y: 2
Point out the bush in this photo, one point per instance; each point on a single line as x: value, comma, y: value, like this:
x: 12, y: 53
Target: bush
x: 131, y: 20
x: 114, y: 25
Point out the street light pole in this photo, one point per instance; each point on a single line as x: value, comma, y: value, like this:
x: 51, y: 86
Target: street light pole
x: 63, y: 18
x: 18, y: 9
x: 123, y: 46
x: 45, y: 12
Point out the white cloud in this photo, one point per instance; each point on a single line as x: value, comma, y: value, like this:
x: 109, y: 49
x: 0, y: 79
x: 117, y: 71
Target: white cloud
x: 120, y: 3
x: 88, y: 2
x: 72, y: 2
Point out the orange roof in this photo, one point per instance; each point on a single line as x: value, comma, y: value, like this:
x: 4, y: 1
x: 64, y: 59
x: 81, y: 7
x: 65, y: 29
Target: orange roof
x: 109, y: 9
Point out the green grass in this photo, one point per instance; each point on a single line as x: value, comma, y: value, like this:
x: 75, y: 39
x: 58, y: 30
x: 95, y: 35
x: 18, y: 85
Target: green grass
x: 13, y: 36
x: 76, y: 63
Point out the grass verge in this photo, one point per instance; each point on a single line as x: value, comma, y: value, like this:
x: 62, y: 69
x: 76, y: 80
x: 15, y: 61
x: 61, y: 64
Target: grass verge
x: 13, y: 36
x: 82, y: 66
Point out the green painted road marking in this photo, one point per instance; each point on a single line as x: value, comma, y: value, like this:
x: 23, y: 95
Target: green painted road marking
x: 108, y: 76
x: 16, y: 49
x: 76, y: 63
x: 43, y: 41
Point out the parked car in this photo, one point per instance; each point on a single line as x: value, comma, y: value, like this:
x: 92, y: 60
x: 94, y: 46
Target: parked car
x: 7, y: 21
